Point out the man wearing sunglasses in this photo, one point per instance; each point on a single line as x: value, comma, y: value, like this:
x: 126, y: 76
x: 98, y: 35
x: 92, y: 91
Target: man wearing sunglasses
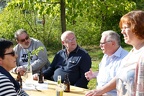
x: 26, y: 44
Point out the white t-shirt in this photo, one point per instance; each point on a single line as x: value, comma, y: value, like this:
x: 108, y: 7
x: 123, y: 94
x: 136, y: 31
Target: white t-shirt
x: 24, y: 57
x: 126, y: 75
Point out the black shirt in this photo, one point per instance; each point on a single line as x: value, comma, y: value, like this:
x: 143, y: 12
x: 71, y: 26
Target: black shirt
x: 75, y: 65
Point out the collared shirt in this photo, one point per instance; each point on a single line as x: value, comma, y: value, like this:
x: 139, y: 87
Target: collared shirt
x: 108, y: 68
x: 75, y: 65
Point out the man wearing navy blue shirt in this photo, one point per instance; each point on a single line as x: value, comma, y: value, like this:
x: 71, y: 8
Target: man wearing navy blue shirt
x: 73, y: 60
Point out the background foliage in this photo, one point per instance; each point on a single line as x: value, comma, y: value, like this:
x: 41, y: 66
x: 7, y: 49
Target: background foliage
x: 41, y: 18
x: 87, y: 18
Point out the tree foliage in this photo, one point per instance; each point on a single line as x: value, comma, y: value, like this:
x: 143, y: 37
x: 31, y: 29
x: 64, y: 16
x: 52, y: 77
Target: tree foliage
x: 42, y: 18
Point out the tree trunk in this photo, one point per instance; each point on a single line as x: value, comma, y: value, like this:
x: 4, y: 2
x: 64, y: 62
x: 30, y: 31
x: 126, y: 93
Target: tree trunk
x: 63, y: 21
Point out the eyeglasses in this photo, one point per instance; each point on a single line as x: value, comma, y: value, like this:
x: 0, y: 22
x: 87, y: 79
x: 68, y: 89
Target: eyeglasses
x: 104, y: 42
x: 11, y: 53
x: 70, y: 40
x: 23, y: 40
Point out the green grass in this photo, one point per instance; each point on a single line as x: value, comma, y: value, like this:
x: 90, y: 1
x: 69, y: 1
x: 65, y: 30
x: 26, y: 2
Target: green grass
x: 96, y: 56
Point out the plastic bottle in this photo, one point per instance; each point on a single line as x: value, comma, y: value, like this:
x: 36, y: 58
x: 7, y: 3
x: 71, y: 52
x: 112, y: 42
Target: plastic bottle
x: 59, y: 80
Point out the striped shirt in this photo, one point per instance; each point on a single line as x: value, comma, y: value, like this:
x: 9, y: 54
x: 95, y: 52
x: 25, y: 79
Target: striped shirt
x: 108, y: 68
x: 7, y: 87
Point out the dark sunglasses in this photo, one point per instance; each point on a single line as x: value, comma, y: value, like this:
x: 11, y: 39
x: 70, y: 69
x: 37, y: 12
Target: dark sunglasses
x: 23, y: 40
x: 11, y: 53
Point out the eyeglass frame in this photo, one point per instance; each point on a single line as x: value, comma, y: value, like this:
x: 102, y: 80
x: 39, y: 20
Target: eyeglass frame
x: 102, y: 43
x: 10, y: 53
x: 23, y: 40
x: 70, y: 40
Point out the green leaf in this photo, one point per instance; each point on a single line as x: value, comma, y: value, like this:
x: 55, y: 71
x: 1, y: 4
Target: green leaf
x: 36, y: 51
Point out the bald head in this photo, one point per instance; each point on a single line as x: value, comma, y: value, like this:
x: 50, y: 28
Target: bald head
x: 65, y: 34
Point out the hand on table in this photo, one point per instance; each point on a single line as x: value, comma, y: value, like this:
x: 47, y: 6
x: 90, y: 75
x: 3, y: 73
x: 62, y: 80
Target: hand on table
x: 35, y: 76
x: 21, y: 70
x: 93, y: 93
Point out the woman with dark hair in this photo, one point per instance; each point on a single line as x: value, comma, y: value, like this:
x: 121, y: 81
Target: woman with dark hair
x: 8, y: 85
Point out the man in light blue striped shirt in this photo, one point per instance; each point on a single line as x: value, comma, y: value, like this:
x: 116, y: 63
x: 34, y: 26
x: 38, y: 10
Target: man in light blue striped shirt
x: 110, y: 63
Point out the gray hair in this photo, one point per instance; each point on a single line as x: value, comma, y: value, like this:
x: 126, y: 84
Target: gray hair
x: 112, y: 36
x: 19, y: 32
x: 65, y: 34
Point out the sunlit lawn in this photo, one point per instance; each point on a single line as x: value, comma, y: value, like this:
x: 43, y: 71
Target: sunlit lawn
x: 96, y: 56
